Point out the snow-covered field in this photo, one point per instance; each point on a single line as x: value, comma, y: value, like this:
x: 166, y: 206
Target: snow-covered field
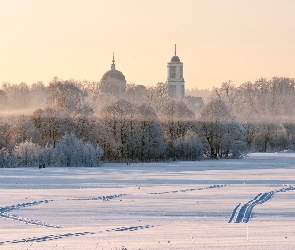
x: 219, y: 204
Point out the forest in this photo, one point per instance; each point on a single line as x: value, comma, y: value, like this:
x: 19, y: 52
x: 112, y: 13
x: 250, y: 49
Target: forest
x: 74, y: 123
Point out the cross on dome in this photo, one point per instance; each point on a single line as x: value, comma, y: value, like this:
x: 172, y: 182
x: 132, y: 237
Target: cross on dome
x: 175, y: 58
x: 113, y: 66
x: 113, y: 58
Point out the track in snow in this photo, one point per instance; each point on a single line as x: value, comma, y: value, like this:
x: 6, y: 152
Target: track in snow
x: 45, y: 238
x: 191, y: 189
x: 28, y: 221
x: 22, y: 205
x: 67, y: 235
x: 243, y: 213
x: 4, y: 211
x: 104, y: 198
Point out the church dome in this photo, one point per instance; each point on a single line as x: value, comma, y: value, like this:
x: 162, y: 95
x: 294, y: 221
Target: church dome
x: 113, y: 73
x: 175, y: 59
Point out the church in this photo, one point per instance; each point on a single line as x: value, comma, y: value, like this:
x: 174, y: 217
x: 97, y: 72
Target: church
x: 175, y: 80
x: 113, y: 81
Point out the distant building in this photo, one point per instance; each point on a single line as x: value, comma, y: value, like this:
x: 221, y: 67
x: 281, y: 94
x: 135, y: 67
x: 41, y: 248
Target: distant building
x: 195, y: 103
x: 175, y: 78
x: 113, y: 81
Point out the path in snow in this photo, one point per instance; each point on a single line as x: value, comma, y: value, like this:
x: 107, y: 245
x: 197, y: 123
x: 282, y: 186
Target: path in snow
x: 22, y: 205
x: 120, y: 229
x: 4, y: 211
x: 104, y: 198
x: 62, y: 236
x: 191, y: 189
x: 4, y: 214
x: 243, y: 213
x: 45, y: 238
x: 28, y: 221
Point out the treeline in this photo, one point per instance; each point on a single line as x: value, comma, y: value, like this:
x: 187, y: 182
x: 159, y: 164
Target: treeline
x: 265, y: 108
x: 261, y: 100
x: 75, y: 124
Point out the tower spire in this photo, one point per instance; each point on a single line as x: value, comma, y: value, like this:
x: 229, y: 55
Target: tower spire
x: 175, y: 50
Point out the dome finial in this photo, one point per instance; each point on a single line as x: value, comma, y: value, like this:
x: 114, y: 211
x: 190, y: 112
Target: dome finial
x: 113, y: 66
x: 113, y: 58
x: 175, y: 50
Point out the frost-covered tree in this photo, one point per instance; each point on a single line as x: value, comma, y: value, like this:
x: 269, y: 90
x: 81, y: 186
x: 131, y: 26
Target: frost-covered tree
x: 38, y: 95
x: 23, y: 96
x: 5, y: 137
x: 85, y: 127
x: 188, y: 147
x: 91, y: 155
x: 271, y: 136
x: 21, y: 130
x: 228, y: 93
x: 157, y: 96
x: 133, y: 132
x: 52, y: 125
x: 222, y: 136
x: 176, y: 120
x: 47, y: 155
x: 18, y: 95
x: 72, y: 152
x: 4, y: 158
x: 3, y: 99
x: 92, y: 90
x: 263, y: 98
x: 68, y: 97
x: 290, y: 132
x: 118, y: 121
x: 27, y: 154
x: 149, y: 144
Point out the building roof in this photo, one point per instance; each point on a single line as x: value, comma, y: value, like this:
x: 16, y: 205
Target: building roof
x: 113, y: 73
x: 196, y: 101
x: 175, y: 59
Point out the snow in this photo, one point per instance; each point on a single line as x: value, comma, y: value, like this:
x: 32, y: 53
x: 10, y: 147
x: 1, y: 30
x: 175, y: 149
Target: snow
x: 175, y: 205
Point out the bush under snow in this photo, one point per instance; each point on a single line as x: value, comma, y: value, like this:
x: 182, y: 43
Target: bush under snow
x: 71, y: 151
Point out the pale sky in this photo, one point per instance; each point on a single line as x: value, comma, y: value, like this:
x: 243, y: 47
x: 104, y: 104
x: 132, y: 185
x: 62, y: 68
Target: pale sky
x: 217, y: 40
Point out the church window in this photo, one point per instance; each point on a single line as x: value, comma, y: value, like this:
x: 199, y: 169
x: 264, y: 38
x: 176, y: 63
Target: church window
x: 173, y: 72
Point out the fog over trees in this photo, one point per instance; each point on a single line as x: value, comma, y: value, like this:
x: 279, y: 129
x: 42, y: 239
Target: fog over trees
x: 265, y: 108
x: 73, y: 123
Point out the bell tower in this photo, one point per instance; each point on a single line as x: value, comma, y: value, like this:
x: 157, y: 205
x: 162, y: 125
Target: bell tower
x: 175, y: 78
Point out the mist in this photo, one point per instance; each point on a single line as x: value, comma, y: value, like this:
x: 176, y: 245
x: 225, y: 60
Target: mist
x: 147, y: 124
